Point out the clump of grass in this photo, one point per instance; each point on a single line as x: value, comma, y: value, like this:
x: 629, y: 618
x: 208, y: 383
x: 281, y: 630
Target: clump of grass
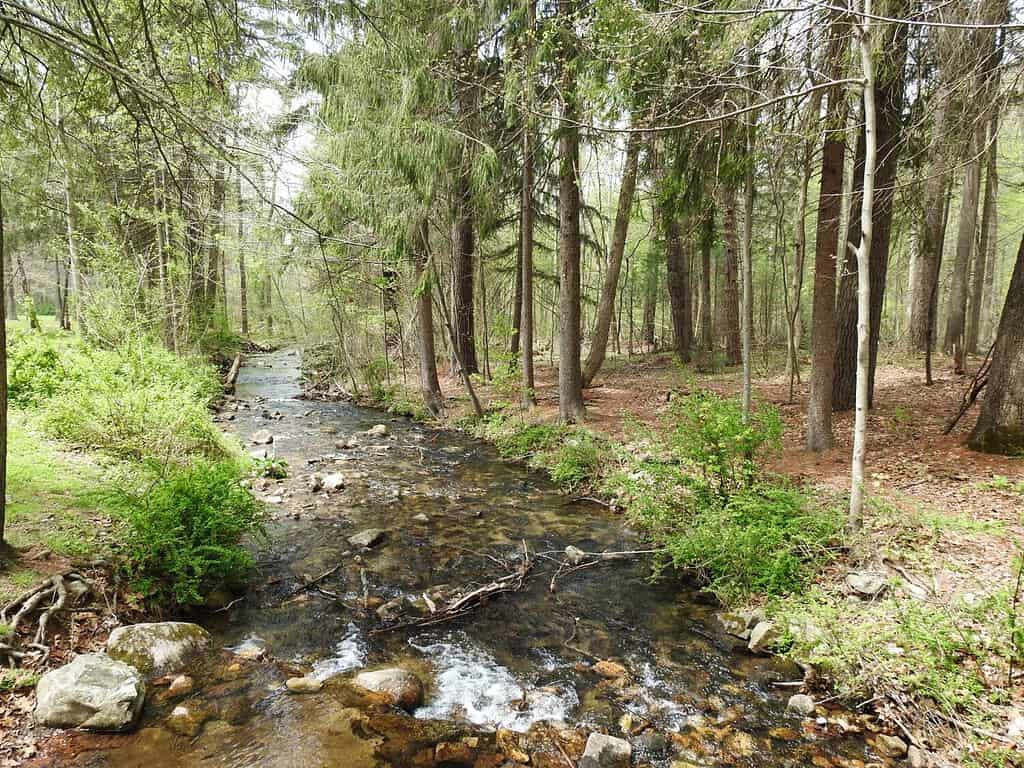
x: 135, y: 401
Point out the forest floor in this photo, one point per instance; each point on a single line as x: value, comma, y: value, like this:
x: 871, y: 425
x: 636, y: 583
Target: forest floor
x: 55, y: 522
x: 943, y: 521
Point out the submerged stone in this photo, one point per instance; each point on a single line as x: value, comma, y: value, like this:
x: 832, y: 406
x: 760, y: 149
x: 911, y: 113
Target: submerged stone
x: 801, y: 704
x: 398, y: 686
x: 371, y: 537
x: 262, y: 437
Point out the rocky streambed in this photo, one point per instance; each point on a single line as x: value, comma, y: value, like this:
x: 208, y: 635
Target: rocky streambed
x: 381, y: 527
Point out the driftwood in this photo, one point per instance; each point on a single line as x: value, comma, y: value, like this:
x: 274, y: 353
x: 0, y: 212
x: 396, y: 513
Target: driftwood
x: 57, y: 593
x: 977, y: 384
x: 466, y: 602
x: 229, y: 382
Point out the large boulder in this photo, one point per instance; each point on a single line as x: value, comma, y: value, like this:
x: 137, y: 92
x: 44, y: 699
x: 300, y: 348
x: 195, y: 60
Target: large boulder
x: 606, y: 752
x: 401, y: 688
x: 94, y: 692
x: 159, y: 648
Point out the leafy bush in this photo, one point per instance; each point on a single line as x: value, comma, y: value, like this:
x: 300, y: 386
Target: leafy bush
x: 184, y: 534
x: 577, y: 460
x: 709, y: 435
x: 766, y: 539
x: 35, y: 372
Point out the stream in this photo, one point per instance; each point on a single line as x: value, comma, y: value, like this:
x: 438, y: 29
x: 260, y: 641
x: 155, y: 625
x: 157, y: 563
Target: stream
x: 456, y: 515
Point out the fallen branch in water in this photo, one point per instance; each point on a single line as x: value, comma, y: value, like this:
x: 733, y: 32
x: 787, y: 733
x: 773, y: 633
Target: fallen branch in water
x: 313, y: 583
x: 61, y: 590
x: 466, y: 603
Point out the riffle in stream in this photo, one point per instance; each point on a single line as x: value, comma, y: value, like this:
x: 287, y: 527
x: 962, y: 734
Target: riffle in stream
x: 513, y: 679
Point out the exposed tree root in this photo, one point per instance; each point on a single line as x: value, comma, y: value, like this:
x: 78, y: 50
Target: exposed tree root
x: 57, y: 593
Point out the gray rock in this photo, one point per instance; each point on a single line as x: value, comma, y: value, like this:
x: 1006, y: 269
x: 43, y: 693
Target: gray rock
x: 575, y: 555
x: 762, y: 636
x: 377, y: 430
x: 371, y: 537
x: 316, y: 482
x: 733, y: 624
x: 916, y: 757
x: 94, y: 692
x: 401, y: 688
x: 335, y: 481
x: 604, y: 751
x: 866, y: 583
x: 263, y: 437
x: 421, y: 518
x: 801, y: 704
x: 159, y: 648
x: 890, y: 746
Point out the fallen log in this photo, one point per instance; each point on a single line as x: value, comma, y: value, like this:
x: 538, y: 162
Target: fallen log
x: 229, y: 382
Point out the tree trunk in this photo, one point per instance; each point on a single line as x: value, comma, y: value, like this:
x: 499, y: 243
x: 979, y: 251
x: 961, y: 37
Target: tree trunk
x: 650, y: 305
x: 462, y: 276
x: 747, y: 269
x: 243, y: 277
x: 704, y: 318
x: 730, y: 308
x: 888, y: 98
x: 8, y: 287
x: 429, y: 385
x: 819, y: 405
x: 1000, y: 426
x: 983, y: 261
x: 570, y: 375
x: 864, y: 298
x: 678, y: 269
x: 526, y: 331
x: 3, y: 385
x: 925, y: 289
x: 957, y: 312
x: 517, y: 302
x: 606, y: 304
x: 215, y: 244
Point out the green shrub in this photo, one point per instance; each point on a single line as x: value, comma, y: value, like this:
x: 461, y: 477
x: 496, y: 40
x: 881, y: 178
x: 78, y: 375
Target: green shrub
x: 35, y: 372
x: 577, y: 460
x: 185, y: 533
x: 522, y: 442
x: 767, y: 539
x: 708, y: 433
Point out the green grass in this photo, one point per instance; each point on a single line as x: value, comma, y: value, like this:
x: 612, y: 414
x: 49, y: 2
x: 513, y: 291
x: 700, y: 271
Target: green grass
x: 53, y: 495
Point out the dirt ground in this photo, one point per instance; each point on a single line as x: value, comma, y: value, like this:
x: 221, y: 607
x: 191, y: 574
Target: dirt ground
x: 914, y: 470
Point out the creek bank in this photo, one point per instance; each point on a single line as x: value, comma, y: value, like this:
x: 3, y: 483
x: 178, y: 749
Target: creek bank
x: 763, y: 634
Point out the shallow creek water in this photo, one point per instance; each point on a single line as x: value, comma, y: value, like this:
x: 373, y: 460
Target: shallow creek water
x: 521, y: 659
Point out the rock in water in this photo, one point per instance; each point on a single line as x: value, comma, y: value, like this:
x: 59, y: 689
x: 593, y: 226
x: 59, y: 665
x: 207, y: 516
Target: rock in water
x: 94, y: 692
x: 762, y: 636
x: 303, y: 684
x: 609, y: 670
x: 801, y: 703
x: 371, y: 537
x: 377, y: 430
x: 159, y: 648
x: 866, y: 583
x: 890, y: 746
x: 402, y: 689
x: 335, y: 481
x: 263, y: 437
x: 606, y: 752
x: 575, y: 555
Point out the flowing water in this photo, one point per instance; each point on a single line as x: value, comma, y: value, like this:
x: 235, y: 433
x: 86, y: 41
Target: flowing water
x: 521, y: 660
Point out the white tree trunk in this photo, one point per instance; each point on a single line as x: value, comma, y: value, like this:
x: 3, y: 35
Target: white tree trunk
x: 860, y: 428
